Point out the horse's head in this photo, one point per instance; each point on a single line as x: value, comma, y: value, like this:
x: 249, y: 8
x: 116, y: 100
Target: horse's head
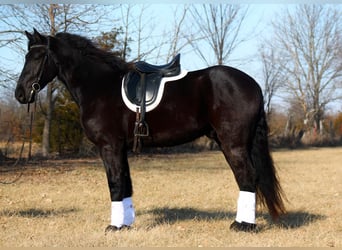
x: 39, y: 68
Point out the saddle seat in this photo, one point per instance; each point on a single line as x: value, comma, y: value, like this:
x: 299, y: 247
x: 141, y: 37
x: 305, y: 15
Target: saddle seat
x: 170, y: 69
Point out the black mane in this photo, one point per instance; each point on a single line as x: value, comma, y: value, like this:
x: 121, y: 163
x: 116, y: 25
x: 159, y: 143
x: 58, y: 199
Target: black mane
x: 90, y: 50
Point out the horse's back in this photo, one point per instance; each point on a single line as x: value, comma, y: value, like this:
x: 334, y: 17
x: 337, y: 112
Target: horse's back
x: 229, y: 89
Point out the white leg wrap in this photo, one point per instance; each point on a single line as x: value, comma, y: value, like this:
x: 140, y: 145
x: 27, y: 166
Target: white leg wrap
x: 122, y: 213
x: 246, y: 207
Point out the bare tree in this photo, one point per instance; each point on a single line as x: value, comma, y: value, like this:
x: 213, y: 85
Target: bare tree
x: 126, y: 19
x: 272, y: 75
x: 307, y: 41
x: 142, y: 36
x: 176, y: 35
x: 218, y: 27
x: 137, y: 28
x: 175, y: 38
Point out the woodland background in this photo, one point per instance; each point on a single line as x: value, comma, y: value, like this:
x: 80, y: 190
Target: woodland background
x: 300, y: 60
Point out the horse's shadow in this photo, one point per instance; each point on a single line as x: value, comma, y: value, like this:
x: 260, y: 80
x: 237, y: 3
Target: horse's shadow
x: 295, y: 219
x: 171, y: 215
x: 37, y: 213
x: 291, y: 220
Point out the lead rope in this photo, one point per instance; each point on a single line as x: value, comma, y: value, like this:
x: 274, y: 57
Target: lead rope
x: 31, y: 126
x: 23, y: 146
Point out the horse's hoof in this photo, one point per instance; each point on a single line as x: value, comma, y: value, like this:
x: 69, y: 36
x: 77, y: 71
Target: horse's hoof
x: 111, y: 228
x: 243, y: 226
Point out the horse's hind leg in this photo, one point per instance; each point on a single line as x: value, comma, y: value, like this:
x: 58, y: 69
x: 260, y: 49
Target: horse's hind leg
x: 247, y: 152
x: 245, y: 176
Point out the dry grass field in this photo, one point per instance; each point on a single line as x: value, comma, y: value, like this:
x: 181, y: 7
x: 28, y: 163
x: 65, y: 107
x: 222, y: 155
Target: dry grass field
x: 180, y: 200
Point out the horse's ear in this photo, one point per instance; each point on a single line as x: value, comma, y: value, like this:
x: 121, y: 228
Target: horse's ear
x: 36, y: 33
x: 38, y: 37
x: 29, y: 35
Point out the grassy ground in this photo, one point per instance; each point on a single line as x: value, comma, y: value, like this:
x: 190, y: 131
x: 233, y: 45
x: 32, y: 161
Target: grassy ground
x: 180, y: 200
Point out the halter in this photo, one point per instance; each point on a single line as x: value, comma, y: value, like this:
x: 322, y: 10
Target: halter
x: 35, y: 87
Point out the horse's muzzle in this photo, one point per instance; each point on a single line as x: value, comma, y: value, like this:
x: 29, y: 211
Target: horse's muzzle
x: 23, y: 97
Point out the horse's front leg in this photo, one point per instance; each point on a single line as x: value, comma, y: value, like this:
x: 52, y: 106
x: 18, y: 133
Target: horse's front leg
x: 120, y: 186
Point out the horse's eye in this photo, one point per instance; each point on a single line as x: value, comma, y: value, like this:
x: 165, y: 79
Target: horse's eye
x: 37, y: 55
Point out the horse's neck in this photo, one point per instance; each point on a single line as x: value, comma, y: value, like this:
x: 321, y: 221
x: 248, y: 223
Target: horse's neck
x: 92, y: 81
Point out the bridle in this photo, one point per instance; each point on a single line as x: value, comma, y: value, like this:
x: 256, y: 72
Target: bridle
x: 35, y: 87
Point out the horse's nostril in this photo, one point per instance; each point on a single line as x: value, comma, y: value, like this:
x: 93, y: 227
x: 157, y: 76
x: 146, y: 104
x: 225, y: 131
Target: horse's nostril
x: 20, y: 95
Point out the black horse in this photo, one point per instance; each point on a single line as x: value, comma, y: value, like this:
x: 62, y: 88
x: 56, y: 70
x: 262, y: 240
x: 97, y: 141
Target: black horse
x: 220, y: 102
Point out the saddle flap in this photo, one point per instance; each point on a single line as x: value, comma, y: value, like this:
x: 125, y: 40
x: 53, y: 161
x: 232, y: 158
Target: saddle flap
x: 131, y: 94
x: 133, y: 89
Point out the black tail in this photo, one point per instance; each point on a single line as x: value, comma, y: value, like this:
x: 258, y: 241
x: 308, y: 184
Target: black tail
x: 269, y: 191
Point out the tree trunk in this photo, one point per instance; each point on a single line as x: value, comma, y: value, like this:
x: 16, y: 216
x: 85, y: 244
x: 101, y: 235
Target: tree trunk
x: 49, y: 101
x: 47, y: 121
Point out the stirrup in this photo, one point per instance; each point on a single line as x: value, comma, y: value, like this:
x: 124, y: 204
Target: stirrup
x: 141, y: 129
